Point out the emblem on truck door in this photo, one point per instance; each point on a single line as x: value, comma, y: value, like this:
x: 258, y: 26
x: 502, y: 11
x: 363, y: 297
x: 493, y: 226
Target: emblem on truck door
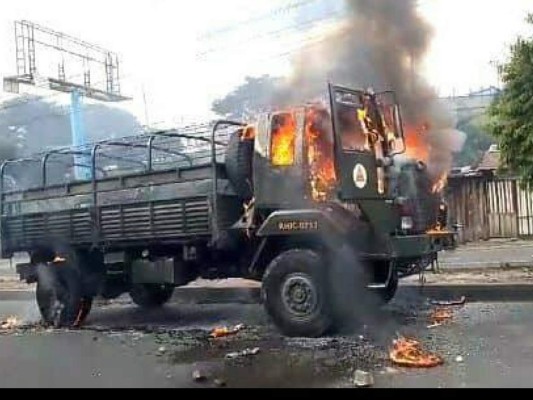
x: 360, y: 176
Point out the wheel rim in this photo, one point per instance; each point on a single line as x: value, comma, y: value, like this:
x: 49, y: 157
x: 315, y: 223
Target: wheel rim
x: 299, y: 295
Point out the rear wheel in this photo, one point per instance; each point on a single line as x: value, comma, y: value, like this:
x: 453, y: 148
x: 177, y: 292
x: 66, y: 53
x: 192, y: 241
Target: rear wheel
x: 295, y: 294
x: 151, y: 296
x: 59, y: 296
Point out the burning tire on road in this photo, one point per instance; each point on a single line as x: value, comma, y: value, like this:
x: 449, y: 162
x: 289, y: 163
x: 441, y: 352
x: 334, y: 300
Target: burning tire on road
x: 59, y: 295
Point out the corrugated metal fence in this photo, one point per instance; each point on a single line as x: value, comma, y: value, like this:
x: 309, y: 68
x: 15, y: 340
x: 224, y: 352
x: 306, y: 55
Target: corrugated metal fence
x: 487, y: 208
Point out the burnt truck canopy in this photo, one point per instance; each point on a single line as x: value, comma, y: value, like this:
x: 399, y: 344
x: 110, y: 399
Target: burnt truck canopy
x: 164, y: 187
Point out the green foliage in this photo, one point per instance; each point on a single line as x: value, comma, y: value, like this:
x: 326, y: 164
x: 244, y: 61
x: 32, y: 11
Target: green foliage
x: 511, y: 115
x: 478, y: 141
x: 254, y: 95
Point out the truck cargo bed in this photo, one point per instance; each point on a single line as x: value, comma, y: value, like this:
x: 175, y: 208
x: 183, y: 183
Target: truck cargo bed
x: 160, y: 206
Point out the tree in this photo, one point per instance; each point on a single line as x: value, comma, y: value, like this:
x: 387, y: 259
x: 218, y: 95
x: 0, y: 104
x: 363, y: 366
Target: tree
x: 511, y: 115
x: 478, y: 141
x: 35, y: 125
x: 255, y: 95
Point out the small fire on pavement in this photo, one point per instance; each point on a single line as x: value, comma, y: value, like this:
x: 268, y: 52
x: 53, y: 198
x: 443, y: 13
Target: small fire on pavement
x: 225, y: 331
x: 410, y: 354
x: 441, y: 315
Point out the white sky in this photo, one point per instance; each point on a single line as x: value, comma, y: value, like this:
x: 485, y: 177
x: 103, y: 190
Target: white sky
x: 160, y: 41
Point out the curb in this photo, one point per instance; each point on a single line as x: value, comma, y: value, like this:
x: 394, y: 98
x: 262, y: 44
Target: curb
x: 485, y: 267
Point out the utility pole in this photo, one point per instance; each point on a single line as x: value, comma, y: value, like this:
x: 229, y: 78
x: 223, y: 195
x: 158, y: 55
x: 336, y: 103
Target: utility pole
x: 146, y: 115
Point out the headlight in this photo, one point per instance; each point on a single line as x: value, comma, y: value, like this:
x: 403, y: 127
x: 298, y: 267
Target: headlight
x: 407, y: 223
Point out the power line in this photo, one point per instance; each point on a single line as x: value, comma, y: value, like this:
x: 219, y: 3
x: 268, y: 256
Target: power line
x: 275, y: 34
x: 288, y: 8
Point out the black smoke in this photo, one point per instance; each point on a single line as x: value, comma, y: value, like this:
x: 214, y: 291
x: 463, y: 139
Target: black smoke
x: 379, y: 44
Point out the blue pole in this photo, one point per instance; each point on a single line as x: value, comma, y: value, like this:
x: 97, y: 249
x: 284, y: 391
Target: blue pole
x: 78, y: 134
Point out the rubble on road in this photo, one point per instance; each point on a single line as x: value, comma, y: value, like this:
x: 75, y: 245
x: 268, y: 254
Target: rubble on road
x: 440, y: 316
x: 199, y: 376
x: 10, y: 323
x: 220, y: 382
x: 225, y: 331
x: 452, y: 303
x: 363, y: 379
x: 244, y: 353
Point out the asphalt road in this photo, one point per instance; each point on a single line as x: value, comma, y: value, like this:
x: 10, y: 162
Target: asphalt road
x: 494, y: 340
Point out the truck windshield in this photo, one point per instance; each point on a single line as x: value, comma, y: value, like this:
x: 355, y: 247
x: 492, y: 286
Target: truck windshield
x: 354, y: 124
x: 352, y: 128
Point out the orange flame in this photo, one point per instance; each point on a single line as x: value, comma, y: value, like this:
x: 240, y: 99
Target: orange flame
x: 409, y: 353
x: 283, y: 140
x: 440, y: 185
x: 415, y: 143
x: 441, y: 315
x: 248, y: 133
x: 320, y: 155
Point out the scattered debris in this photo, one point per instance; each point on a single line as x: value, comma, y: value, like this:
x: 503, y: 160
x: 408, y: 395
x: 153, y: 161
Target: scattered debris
x: 440, y: 316
x: 363, y: 379
x: 409, y: 353
x: 389, y: 371
x: 435, y: 325
x: 219, y: 382
x: 459, y: 359
x: 162, y: 350
x: 225, y: 331
x: 199, y: 376
x: 10, y: 323
x: 244, y: 353
x: 460, y: 302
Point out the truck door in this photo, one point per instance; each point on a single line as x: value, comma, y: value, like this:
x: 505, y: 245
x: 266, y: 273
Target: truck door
x: 356, y: 162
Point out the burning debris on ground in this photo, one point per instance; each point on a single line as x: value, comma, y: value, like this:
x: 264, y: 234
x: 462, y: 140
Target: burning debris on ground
x: 410, y: 354
x: 225, y: 331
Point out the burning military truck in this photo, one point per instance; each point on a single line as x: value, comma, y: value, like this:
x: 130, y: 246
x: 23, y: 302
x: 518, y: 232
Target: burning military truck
x: 311, y: 201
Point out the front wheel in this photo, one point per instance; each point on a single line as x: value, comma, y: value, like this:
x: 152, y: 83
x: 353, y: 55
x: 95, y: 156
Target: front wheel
x: 151, y: 296
x: 295, y: 294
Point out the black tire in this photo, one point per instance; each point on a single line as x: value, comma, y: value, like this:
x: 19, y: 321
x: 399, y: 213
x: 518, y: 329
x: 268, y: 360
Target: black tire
x: 388, y: 294
x: 59, y: 296
x: 239, y: 159
x: 151, y: 296
x: 295, y: 294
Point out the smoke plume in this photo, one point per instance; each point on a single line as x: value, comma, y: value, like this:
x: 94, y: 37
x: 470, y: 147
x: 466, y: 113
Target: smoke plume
x: 381, y: 45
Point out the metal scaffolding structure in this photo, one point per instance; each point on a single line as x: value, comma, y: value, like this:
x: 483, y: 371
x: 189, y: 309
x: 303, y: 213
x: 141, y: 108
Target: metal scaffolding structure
x: 30, y: 37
